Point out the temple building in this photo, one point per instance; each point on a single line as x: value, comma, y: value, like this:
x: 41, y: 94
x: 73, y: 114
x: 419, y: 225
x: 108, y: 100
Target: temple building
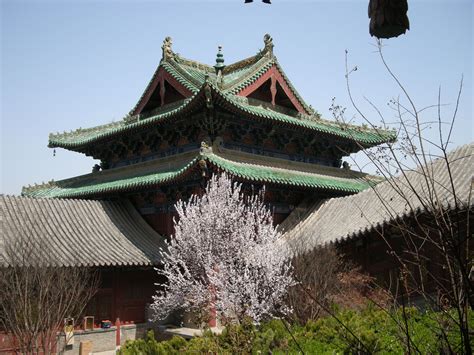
x: 193, y: 120
x: 245, y: 119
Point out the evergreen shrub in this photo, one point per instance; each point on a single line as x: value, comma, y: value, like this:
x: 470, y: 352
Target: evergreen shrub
x: 379, y: 332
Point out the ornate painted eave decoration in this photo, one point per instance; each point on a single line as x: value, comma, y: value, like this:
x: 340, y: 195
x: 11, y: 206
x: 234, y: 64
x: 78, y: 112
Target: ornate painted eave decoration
x: 79, y: 139
x: 242, y: 166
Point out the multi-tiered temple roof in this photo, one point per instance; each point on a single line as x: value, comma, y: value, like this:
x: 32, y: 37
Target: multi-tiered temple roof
x: 256, y: 127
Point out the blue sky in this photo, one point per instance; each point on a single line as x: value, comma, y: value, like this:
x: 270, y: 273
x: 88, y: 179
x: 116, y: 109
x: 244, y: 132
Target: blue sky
x: 72, y: 64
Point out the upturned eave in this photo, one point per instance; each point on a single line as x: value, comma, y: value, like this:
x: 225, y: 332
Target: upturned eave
x: 255, y: 169
x: 80, y: 139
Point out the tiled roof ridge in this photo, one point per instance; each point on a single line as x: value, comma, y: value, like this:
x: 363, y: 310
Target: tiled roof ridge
x: 415, y: 170
x: 31, y: 188
x: 177, y: 68
x: 243, y: 63
x: 176, y: 71
x: 192, y: 63
x: 174, y: 61
x: 309, y: 117
x: 40, y: 198
x: 240, y: 64
x: 129, y: 119
x: 241, y: 83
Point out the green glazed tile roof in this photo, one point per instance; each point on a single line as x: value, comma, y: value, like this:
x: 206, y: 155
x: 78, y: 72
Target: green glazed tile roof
x: 236, y: 75
x: 266, y: 174
x: 190, y: 78
x: 194, y: 76
x: 82, y: 137
x: 233, y: 81
x: 96, y: 184
x: 167, y: 170
x: 352, y: 132
x: 239, y: 79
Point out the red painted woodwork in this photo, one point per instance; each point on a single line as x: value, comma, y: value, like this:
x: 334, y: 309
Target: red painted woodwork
x: 124, y: 293
x: 269, y: 144
x: 375, y: 255
x: 291, y: 148
x: 162, y: 223
x: 117, y: 332
x: 160, y: 79
x: 8, y: 344
x: 277, y: 77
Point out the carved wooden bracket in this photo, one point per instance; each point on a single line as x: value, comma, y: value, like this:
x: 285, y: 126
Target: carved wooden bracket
x: 273, y: 88
x: 162, y: 90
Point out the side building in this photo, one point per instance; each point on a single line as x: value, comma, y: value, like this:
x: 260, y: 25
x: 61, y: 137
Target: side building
x: 406, y: 232
x: 109, y: 237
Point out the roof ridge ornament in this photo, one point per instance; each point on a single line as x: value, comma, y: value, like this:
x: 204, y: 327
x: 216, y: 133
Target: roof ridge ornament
x: 205, y: 147
x: 219, y: 66
x: 208, y: 92
x: 166, y: 47
x: 219, y: 60
x: 268, y: 41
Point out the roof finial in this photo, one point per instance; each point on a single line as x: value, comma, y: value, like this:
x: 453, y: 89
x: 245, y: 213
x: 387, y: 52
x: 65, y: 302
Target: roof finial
x: 268, y: 40
x: 166, y: 47
x: 219, y: 60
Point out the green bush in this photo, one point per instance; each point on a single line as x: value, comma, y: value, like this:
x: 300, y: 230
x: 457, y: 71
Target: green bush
x: 369, y: 330
x: 150, y: 346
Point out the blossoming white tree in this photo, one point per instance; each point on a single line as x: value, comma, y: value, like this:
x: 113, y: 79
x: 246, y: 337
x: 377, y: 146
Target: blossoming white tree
x: 223, y: 257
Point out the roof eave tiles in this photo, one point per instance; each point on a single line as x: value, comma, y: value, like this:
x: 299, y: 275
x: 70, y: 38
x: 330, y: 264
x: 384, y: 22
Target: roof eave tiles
x: 81, y: 138
x: 252, y: 172
x: 76, y: 233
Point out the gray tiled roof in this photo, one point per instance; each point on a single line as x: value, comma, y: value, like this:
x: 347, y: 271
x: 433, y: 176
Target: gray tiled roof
x: 77, y: 232
x: 340, y: 218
